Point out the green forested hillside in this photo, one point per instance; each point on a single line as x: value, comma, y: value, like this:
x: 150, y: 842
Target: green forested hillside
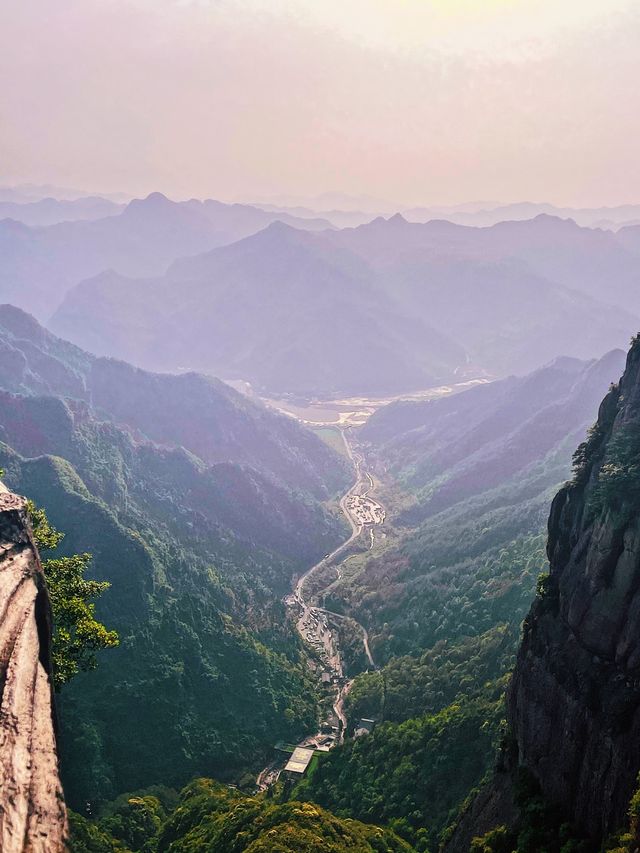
x: 476, y: 473
x: 413, y: 775
x: 439, y: 721
x: 198, y: 550
x: 206, y: 675
x: 412, y: 686
x: 211, y: 817
x: 469, y: 481
x: 199, y: 413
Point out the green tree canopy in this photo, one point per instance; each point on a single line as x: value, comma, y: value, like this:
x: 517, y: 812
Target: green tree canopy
x: 77, y: 634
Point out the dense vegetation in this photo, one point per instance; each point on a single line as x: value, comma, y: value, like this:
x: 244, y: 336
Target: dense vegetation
x: 451, y: 600
x: 183, y: 646
x: 412, y: 775
x: 414, y: 686
x: 211, y: 817
x: 471, y: 480
x: 200, y: 544
x: 77, y: 634
x: 198, y: 551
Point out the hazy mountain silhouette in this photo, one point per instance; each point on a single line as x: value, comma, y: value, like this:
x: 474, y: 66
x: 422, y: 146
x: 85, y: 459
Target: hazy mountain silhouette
x: 491, y: 213
x: 387, y: 307
x: 41, y: 264
x: 49, y: 211
x: 283, y: 309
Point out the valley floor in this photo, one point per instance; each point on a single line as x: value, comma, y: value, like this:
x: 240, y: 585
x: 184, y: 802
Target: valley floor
x: 318, y: 627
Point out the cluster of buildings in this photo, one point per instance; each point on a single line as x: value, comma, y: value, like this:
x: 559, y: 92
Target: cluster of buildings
x: 317, y: 634
x: 365, y: 510
x: 301, y: 756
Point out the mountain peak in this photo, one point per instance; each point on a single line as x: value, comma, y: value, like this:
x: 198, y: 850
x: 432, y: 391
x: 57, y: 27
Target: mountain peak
x: 279, y: 227
x: 553, y: 219
x: 20, y: 323
x: 155, y: 201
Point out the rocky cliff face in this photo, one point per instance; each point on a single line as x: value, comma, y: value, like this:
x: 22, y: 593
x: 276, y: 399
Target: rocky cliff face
x: 32, y: 811
x: 574, y: 700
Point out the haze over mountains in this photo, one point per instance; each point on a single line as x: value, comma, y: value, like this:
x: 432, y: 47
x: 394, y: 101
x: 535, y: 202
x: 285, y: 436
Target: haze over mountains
x: 476, y: 471
x: 49, y: 211
x: 40, y: 264
x: 319, y: 449
x: 483, y: 214
x: 344, y: 211
x: 387, y: 307
x: 203, y: 508
x: 293, y: 304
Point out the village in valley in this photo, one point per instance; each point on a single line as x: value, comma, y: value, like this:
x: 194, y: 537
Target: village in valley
x: 320, y: 636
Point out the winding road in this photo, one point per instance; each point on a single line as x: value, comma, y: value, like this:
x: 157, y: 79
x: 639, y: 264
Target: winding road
x: 362, y: 486
x: 309, y: 614
x: 358, y: 488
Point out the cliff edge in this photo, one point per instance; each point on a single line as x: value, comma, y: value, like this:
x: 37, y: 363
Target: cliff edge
x: 573, y: 705
x: 32, y: 811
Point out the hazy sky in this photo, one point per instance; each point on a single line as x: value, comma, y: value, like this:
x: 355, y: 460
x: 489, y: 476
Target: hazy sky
x: 417, y: 101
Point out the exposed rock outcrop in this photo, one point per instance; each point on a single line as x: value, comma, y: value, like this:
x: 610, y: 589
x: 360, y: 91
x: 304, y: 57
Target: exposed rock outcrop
x: 32, y: 810
x: 573, y: 705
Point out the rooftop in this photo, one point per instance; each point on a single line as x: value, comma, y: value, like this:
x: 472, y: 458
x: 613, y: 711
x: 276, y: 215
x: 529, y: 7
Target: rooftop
x: 299, y: 760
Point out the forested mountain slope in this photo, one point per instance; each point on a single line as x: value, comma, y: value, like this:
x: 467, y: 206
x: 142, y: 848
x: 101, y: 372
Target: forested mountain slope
x: 199, y: 550
x: 572, y: 705
x: 469, y: 480
x: 476, y: 472
x: 210, y: 816
x: 387, y: 307
x: 197, y: 412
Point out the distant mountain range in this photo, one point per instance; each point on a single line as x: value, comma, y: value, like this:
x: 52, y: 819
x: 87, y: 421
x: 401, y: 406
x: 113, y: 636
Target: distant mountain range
x: 40, y: 264
x: 344, y: 211
x: 294, y: 305
x: 281, y: 309
x: 387, y: 307
x: 490, y: 214
x: 50, y: 211
x: 26, y: 193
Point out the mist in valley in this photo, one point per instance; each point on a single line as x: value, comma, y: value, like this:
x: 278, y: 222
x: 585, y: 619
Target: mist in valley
x: 319, y: 427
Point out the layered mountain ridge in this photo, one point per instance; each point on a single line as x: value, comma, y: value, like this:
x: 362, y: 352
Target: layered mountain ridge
x: 42, y: 261
x: 385, y: 308
x: 199, y: 507
x: 574, y: 700
x: 470, y: 479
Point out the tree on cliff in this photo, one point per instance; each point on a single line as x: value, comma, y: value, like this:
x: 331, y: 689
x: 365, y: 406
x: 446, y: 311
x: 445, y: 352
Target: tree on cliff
x: 77, y: 634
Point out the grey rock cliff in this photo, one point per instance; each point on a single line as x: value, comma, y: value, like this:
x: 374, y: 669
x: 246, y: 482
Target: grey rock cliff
x: 32, y: 811
x: 573, y: 705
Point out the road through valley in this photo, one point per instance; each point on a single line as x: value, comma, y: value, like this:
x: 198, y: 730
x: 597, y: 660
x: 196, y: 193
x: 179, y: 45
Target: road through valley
x: 314, y: 623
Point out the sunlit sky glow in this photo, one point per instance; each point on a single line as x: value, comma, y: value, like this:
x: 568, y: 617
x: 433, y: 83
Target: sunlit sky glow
x: 416, y: 101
